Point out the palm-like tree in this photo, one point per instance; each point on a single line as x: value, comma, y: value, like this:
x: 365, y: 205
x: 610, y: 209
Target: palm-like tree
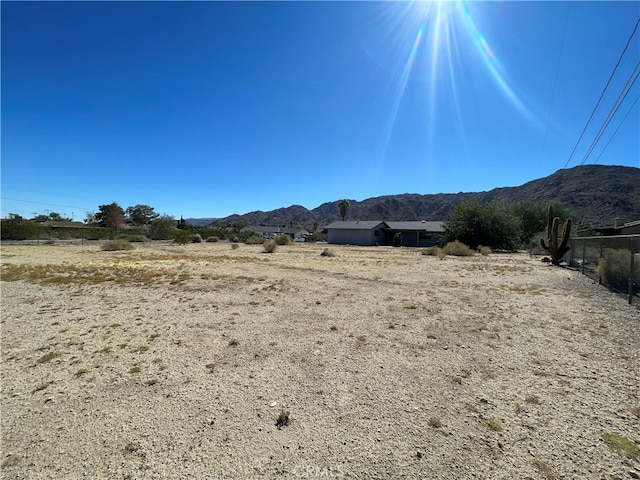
x: 344, y: 207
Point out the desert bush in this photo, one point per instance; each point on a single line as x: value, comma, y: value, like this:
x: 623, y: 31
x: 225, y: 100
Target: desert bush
x: 235, y: 246
x: 134, y: 238
x: 485, y: 250
x: 269, y: 246
x: 197, y: 238
x: 115, y: 245
x: 254, y: 240
x: 283, y: 240
x: 213, y: 239
x: 435, y: 251
x: 18, y: 229
x: 181, y: 237
x: 397, y: 239
x: 327, y: 252
x: 614, y: 270
x: 458, y: 249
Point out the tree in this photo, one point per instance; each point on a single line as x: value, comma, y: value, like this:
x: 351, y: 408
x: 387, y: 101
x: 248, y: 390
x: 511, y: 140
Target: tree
x: 110, y: 216
x: 344, y: 208
x: 162, y: 228
x: 90, y: 218
x: 141, y: 214
x: 533, y: 217
x: 473, y: 223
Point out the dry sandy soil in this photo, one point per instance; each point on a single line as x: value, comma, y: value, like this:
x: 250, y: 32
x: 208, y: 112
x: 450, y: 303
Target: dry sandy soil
x: 171, y: 362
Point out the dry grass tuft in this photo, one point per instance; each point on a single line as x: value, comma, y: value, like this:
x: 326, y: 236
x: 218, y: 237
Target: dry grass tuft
x: 435, y: 422
x: 621, y: 444
x: 458, y: 249
x: 494, y: 424
x: 116, y: 245
x: 269, y: 247
x: 545, y: 469
x: 48, y: 357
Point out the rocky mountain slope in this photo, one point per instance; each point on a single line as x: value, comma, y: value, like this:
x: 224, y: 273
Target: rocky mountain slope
x: 596, y: 194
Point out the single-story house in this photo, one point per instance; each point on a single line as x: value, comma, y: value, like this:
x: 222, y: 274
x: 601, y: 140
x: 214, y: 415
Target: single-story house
x: 416, y: 234
x: 377, y: 232
x: 356, y: 232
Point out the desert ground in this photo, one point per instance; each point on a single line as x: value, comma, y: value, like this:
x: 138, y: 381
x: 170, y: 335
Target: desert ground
x: 206, y: 362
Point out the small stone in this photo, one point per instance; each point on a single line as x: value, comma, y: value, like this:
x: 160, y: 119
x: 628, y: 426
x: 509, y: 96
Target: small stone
x: 634, y: 474
x: 419, y: 454
x: 273, y: 404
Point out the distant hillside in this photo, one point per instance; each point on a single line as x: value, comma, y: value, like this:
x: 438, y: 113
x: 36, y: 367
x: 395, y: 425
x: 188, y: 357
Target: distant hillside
x: 595, y: 193
x: 199, y: 222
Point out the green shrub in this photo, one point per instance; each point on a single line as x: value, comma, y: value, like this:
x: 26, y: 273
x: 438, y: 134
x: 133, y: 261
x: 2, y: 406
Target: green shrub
x: 283, y: 240
x: 197, y: 238
x: 485, y: 250
x: 235, y: 246
x: 457, y: 249
x: 269, y: 246
x: 213, y: 239
x: 181, y: 237
x: 254, y: 240
x: 118, y: 244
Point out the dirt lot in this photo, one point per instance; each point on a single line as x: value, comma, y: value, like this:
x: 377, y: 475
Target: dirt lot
x: 172, y: 362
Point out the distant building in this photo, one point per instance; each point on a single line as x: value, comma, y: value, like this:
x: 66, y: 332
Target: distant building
x: 629, y: 228
x: 266, y: 231
x: 376, y: 232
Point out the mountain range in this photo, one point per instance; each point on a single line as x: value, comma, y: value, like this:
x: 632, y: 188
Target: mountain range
x: 595, y: 194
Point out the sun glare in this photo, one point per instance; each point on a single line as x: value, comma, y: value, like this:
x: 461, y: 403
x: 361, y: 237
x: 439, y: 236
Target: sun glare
x: 445, y: 46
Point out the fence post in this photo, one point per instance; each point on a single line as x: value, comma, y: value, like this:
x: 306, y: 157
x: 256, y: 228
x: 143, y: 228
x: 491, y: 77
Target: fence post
x: 584, y: 247
x: 632, y: 249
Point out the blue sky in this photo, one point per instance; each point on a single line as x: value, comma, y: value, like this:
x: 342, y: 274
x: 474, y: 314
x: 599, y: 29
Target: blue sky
x: 205, y: 109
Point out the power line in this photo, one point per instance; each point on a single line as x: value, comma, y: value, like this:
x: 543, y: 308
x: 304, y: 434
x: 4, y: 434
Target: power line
x: 46, y: 203
x: 635, y: 28
x: 623, y: 94
x: 555, y: 81
x: 618, y: 128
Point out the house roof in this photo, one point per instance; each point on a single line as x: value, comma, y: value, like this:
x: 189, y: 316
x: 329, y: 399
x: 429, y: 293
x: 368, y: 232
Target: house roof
x: 356, y: 225
x: 417, y: 226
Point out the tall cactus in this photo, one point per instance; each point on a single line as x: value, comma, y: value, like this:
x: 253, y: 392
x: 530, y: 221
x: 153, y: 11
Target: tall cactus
x: 551, y: 245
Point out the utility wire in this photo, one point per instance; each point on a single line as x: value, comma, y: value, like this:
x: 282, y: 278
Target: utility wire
x: 623, y: 94
x: 555, y: 82
x: 616, y: 131
x: 45, y: 203
x: 635, y: 28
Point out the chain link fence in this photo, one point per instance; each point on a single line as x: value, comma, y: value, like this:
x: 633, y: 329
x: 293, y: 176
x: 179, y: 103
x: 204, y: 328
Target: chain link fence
x: 613, y: 261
